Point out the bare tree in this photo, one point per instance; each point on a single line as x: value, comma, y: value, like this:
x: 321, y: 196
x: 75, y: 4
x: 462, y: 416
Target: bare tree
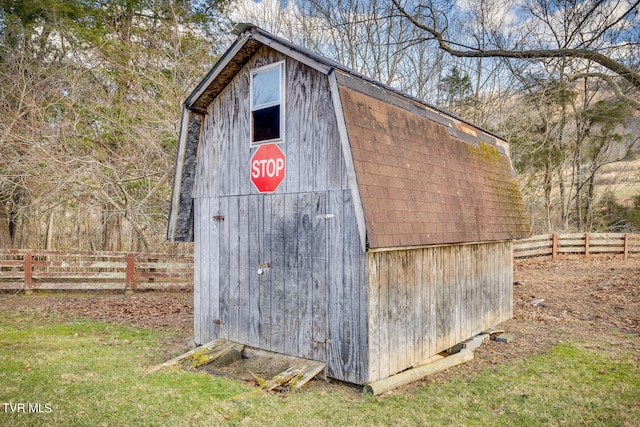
x: 88, y: 123
x: 593, y: 32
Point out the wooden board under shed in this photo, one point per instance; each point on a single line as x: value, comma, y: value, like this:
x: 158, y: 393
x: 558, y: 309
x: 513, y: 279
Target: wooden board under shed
x: 272, y: 371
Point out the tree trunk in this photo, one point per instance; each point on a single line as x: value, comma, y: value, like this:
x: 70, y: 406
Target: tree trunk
x: 547, y: 183
x: 564, y: 215
x: 49, y: 240
x: 5, y: 233
x: 588, y: 220
x: 112, y: 233
x: 577, y: 167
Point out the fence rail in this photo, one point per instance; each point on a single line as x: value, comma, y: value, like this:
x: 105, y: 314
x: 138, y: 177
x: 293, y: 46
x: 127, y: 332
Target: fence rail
x: 80, y: 270
x: 28, y: 270
x: 556, y: 245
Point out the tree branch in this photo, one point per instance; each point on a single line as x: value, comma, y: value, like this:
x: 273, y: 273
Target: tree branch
x: 620, y: 69
x: 614, y: 86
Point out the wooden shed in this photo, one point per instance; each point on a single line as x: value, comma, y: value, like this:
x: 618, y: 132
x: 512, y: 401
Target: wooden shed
x: 337, y: 219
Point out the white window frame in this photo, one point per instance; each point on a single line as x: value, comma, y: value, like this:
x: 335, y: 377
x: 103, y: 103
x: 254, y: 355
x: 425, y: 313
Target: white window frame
x: 281, y: 102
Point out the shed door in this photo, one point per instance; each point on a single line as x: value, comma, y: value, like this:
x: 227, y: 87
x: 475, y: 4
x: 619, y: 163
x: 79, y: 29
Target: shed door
x: 273, y: 260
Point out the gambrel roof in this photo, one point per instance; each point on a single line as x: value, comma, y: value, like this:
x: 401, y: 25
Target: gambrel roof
x: 419, y: 176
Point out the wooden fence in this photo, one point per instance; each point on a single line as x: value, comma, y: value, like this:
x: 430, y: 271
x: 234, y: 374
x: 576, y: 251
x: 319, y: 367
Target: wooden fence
x: 29, y: 270
x: 70, y: 270
x: 556, y: 246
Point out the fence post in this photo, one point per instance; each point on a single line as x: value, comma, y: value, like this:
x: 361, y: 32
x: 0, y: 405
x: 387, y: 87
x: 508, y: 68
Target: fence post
x: 130, y: 285
x: 28, y: 273
x: 586, y: 244
x: 554, y: 246
x: 626, y: 245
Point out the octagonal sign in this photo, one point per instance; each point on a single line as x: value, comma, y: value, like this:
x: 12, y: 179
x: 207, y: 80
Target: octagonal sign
x: 268, y: 168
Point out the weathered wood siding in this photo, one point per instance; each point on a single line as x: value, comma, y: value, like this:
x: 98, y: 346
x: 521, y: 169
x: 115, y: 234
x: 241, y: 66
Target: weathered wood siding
x: 206, y: 271
x: 347, y: 293
x: 312, y: 146
x: 310, y: 299
x: 423, y: 301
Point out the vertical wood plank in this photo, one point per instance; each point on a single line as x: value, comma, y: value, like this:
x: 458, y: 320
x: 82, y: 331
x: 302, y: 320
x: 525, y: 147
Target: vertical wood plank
x: 243, y: 115
x: 204, y: 234
x: 507, y: 262
x: 254, y: 230
x: 199, y: 304
x: 498, y: 282
x: 300, y: 127
x: 276, y: 236
x: 463, y: 271
x: 449, y: 295
x: 404, y: 328
x: 244, y: 273
x: 485, y: 273
x: 205, y: 283
x: 334, y: 273
x: 416, y: 306
x: 290, y: 294
x: 223, y: 324
x: 208, y: 154
x: 319, y: 273
x: 265, y: 279
x: 441, y: 321
x: 335, y: 283
x: 373, y: 315
x: 325, y: 135
x: 429, y: 329
x: 213, y: 266
x: 471, y: 292
x: 392, y: 312
x: 457, y: 280
x: 336, y: 168
x: 294, y: 128
x: 385, y: 320
x: 312, y: 275
x: 232, y: 220
x: 305, y: 263
x: 364, y: 303
x: 496, y: 289
x: 226, y: 152
x: 234, y: 170
x: 354, y: 330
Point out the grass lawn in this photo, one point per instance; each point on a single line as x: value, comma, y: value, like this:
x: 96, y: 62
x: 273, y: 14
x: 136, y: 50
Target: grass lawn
x: 79, y: 373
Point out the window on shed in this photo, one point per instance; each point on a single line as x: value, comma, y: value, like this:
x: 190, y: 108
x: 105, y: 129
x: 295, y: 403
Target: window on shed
x: 267, y: 106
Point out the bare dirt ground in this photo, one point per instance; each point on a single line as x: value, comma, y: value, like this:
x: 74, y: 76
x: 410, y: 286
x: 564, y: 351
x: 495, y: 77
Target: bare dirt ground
x: 593, y: 300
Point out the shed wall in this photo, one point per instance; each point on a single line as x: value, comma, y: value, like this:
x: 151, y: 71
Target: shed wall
x: 423, y: 301
x: 310, y: 299
x: 312, y: 145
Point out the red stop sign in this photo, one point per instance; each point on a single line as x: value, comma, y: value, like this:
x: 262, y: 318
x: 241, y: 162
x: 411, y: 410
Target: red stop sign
x: 268, y: 167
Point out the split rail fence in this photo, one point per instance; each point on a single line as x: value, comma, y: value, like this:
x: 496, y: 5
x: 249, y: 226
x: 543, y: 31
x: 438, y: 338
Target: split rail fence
x: 80, y: 270
x: 74, y: 270
x: 557, y: 246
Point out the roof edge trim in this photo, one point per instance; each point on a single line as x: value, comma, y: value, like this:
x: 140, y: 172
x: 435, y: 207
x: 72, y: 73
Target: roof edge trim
x: 348, y: 159
x: 220, y: 65
x: 304, y: 58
